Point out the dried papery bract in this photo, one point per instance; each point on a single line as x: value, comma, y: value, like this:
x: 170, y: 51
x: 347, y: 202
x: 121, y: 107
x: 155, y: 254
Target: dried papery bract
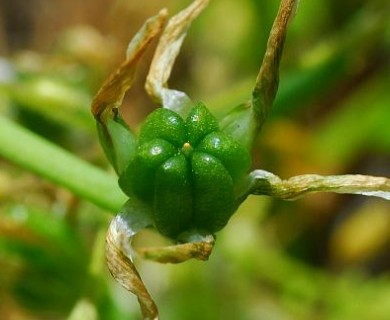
x: 266, y: 183
x: 164, y: 58
x: 123, y: 270
x: 268, y: 78
x: 245, y: 121
x: 199, y: 249
x: 134, y: 217
x: 111, y: 93
x: 116, y: 138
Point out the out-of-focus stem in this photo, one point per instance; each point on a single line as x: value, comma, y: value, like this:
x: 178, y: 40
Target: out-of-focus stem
x: 59, y: 166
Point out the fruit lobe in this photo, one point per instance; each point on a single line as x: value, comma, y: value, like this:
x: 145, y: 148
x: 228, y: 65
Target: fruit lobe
x: 186, y: 170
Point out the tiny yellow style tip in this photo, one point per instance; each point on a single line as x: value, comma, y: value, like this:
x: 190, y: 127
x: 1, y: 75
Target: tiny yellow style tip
x: 187, y: 149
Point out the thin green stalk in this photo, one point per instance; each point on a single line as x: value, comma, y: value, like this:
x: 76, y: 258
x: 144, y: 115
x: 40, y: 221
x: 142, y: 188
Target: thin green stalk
x: 34, y: 153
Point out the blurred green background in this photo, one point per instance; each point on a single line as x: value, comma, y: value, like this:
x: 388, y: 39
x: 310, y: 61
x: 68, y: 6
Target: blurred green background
x: 322, y: 257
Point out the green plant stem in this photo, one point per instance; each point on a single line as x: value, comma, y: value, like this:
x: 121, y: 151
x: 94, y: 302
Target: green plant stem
x: 34, y: 153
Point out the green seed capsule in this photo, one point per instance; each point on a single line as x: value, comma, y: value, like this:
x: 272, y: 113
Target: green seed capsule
x: 233, y: 156
x: 200, y: 122
x: 173, y: 197
x: 164, y: 124
x: 186, y: 170
x: 139, y: 175
x: 213, y: 193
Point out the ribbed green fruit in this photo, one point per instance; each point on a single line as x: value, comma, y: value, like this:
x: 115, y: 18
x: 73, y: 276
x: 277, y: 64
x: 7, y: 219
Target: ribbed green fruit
x: 186, y: 170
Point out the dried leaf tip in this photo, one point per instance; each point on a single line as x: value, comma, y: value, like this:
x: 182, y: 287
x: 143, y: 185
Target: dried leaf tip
x: 149, y: 30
